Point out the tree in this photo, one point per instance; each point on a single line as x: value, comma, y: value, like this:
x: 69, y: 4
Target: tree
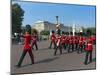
x: 17, y: 18
x: 34, y: 31
x: 45, y: 32
x: 91, y: 30
x: 23, y: 29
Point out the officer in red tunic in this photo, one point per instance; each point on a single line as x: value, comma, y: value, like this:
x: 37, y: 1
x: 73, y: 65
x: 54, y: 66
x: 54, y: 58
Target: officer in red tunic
x: 89, y: 49
x: 53, y: 40
x: 58, y: 44
x: 34, y: 41
x: 26, y: 48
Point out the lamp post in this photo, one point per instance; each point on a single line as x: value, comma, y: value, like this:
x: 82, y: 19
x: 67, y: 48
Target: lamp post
x: 58, y: 31
x: 57, y: 19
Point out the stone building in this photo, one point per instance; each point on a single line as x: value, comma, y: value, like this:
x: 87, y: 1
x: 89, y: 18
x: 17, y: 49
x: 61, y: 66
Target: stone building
x: 48, y: 26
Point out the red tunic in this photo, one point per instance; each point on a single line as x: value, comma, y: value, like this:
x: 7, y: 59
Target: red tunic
x: 53, y: 37
x: 81, y: 42
x: 27, y: 42
x: 71, y: 41
x: 90, y: 39
x: 76, y: 40
x: 63, y: 39
x: 84, y: 40
x: 89, y: 46
x: 93, y: 38
x: 34, y: 39
x: 67, y: 40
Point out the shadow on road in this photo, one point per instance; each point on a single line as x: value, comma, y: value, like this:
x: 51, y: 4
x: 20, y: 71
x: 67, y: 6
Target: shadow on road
x: 42, y: 61
x: 24, y: 65
x: 44, y: 49
x: 47, y: 60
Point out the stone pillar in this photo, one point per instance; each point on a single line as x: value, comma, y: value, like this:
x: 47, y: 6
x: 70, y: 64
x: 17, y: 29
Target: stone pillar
x: 73, y: 29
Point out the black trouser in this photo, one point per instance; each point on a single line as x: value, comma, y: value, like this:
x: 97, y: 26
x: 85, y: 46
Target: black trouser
x: 60, y: 49
x: 67, y: 45
x: 35, y: 45
x: 84, y: 46
x: 76, y: 46
x: 80, y: 49
x: 23, y: 55
x: 71, y: 46
x: 88, y: 54
x: 63, y: 45
x: 53, y: 44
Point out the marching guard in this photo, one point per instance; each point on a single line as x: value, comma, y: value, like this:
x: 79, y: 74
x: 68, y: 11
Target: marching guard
x: 67, y: 42
x: 26, y: 49
x: 58, y: 44
x: 88, y: 49
x: 58, y: 40
x: 76, y: 42
x: 70, y: 44
x: 63, y: 40
x: 81, y: 43
x: 53, y: 40
x: 34, y: 41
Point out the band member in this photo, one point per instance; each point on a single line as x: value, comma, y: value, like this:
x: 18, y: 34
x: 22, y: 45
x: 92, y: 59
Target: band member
x: 70, y: 44
x: 53, y: 40
x: 63, y: 40
x: 26, y: 48
x: 81, y: 43
x: 89, y: 49
x: 34, y: 41
x: 76, y: 42
x: 58, y: 44
x: 67, y: 40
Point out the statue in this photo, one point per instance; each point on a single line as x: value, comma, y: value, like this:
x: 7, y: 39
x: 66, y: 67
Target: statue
x: 58, y: 31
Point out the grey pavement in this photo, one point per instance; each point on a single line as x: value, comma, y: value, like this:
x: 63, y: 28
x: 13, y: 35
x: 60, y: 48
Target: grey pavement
x: 45, y: 61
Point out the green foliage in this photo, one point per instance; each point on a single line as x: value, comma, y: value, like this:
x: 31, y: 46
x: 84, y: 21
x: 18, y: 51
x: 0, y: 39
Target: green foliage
x: 17, y: 18
x: 90, y: 31
x: 45, y: 32
x: 34, y: 31
x: 23, y: 29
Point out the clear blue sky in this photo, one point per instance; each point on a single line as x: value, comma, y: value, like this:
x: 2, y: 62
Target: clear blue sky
x: 68, y: 14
